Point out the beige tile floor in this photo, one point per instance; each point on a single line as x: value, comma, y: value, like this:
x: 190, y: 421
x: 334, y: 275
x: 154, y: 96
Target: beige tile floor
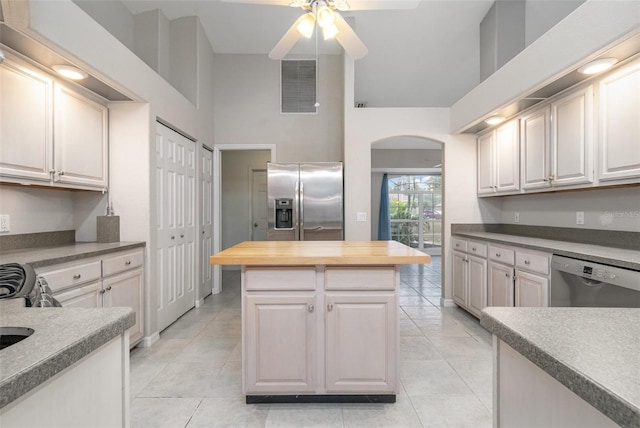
x: 191, y: 376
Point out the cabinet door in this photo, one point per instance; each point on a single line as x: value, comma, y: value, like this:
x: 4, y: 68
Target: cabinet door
x: 620, y: 124
x: 361, y: 342
x: 80, y: 139
x: 477, y: 285
x: 507, y: 155
x: 486, y: 169
x: 280, y: 343
x: 531, y: 290
x: 572, y: 154
x: 25, y: 123
x: 535, y: 162
x: 500, y: 285
x: 86, y: 296
x: 125, y: 290
x: 460, y: 278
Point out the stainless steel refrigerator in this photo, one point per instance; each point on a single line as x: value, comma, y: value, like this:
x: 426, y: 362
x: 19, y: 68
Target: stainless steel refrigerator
x: 305, y: 201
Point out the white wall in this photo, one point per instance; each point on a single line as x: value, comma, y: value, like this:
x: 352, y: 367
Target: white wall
x: 37, y: 210
x: 606, y: 209
x: 247, y: 106
x: 236, y: 193
x: 540, y: 16
x: 112, y: 15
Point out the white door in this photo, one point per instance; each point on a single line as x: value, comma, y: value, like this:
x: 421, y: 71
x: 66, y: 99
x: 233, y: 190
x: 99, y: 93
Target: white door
x: 507, y: 160
x: 175, y: 187
x: 500, y: 285
x: 258, y: 205
x: 536, y: 162
x: 486, y: 167
x: 531, y: 290
x: 460, y: 278
x: 206, y: 222
x: 477, y: 299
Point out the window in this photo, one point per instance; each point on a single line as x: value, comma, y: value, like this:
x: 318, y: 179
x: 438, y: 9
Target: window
x: 298, y: 86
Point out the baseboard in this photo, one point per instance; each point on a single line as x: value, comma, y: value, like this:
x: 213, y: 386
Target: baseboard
x: 447, y: 303
x: 199, y: 303
x: 148, y: 341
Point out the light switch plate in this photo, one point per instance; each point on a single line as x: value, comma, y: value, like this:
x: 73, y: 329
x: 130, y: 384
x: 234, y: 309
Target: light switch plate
x: 361, y: 217
x: 5, y: 226
x: 579, y: 217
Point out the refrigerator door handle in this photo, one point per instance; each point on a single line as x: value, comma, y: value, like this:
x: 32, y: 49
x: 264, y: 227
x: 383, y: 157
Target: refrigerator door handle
x: 301, y: 219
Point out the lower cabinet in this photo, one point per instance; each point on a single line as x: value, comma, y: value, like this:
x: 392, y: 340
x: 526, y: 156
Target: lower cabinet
x: 339, y: 338
x: 116, y: 279
x: 531, y: 289
x: 360, y: 340
x: 500, y: 285
x: 470, y: 276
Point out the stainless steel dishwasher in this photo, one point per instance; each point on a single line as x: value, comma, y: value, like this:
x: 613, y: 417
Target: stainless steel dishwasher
x: 576, y: 282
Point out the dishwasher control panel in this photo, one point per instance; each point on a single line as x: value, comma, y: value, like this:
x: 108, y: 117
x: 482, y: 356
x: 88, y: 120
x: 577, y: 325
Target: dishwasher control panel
x: 611, y: 274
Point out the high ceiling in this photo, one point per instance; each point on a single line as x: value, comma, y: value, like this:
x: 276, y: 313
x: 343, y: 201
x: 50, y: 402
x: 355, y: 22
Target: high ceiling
x: 422, y: 57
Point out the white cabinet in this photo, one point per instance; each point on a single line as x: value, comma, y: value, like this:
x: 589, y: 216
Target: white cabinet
x: 572, y: 138
x: 619, y: 149
x: 500, y: 276
x: 499, y: 160
x: 535, y: 167
x: 281, y: 343
x: 114, y: 280
x: 320, y: 330
x: 26, y: 122
x: 51, y: 134
x: 531, y: 279
x: 470, y: 275
x: 361, y: 340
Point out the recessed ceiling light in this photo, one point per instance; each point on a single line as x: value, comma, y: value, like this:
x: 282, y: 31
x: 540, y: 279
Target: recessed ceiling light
x: 598, y: 65
x: 70, y: 72
x: 494, y: 120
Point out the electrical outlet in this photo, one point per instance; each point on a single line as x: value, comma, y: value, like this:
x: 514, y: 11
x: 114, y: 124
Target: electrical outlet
x: 361, y: 217
x: 579, y: 217
x: 516, y: 217
x: 5, y: 226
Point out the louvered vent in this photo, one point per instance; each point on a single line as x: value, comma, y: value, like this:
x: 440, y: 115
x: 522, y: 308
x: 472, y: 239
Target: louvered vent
x: 298, y: 86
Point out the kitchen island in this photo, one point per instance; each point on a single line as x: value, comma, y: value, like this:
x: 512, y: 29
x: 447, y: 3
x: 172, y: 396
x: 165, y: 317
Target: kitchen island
x: 565, y: 366
x: 320, y: 318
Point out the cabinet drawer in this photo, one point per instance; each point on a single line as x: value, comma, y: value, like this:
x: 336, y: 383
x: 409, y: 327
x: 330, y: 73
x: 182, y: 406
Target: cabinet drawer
x: 86, y: 296
x: 477, y: 249
x: 280, y: 278
x: 459, y: 244
x: 71, y: 275
x: 533, y: 262
x: 502, y: 255
x: 121, y: 263
x: 360, y: 278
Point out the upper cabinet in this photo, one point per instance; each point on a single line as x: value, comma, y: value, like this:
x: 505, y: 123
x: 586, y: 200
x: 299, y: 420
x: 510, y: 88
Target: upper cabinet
x: 586, y: 137
x: 51, y: 134
x: 498, y: 160
x: 620, y: 125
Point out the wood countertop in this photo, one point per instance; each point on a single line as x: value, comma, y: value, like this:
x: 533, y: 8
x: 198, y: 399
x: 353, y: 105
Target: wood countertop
x: 294, y: 253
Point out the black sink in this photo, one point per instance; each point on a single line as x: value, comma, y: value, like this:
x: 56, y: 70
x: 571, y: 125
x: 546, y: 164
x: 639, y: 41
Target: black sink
x: 12, y: 335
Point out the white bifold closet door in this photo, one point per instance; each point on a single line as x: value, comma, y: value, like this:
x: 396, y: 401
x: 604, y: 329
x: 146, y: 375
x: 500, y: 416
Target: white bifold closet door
x: 175, y: 225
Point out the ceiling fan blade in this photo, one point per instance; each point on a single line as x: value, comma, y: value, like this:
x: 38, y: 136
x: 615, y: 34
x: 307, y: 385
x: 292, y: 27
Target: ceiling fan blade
x: 349, y: 39
x: 382, y: 4
x: 287, y: 41
x: 264, y: 2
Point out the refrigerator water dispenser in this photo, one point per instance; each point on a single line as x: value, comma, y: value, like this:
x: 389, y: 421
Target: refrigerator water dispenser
x: 284, y: 213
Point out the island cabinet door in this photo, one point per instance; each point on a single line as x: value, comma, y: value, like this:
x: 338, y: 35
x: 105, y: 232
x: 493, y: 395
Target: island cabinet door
x: 361, y: 342
x: 280, y: 338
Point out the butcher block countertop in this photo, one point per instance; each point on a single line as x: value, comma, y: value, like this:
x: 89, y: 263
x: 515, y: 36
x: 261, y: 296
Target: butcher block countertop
x: 296, y: 253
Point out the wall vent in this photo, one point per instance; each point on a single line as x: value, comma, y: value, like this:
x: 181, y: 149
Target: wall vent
x: 298, y: 86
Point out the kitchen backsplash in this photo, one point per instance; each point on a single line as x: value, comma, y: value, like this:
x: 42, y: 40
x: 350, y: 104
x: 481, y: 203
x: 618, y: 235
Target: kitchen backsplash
x: 33, y: 240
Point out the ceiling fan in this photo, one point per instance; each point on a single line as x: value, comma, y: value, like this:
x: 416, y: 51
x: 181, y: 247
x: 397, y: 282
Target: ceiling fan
x: 325, y: 15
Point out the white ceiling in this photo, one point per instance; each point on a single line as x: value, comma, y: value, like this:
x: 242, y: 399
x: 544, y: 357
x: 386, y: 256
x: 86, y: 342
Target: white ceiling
x: 422, y: 57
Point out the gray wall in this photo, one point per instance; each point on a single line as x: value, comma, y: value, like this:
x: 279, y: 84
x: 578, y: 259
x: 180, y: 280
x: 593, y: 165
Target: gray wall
x: 542, y: 15
x: 607, y: 209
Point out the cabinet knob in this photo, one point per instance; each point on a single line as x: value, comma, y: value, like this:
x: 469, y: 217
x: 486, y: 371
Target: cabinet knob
x: 527, y: 262
x: 128, y: 262
x: 473, y: 249
x: 61, y: 173
x: 330, y: 307
x: 182, y: 235
x: 173, y: 237
x: 311, y: 308
x: 103, y: 291
x: 77, y: 276
x: 506, y: 274
x: 109, y: 288
x: 498, y: 254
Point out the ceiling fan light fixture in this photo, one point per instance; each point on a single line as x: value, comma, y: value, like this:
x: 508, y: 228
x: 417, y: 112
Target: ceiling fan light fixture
x: 325, y: 16
x: 329, y: 32
x: 598, y: 66
x: 306, y: 25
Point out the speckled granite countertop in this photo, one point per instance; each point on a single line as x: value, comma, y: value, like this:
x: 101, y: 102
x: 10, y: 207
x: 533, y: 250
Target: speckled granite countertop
x: 620, y: 257
x: 46, y: 256
x: 62, y: 336
x: 592, y: 351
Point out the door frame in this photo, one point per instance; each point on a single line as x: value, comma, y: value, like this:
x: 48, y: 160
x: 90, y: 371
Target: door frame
x: 252, y: 170
x: 217, y: 197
